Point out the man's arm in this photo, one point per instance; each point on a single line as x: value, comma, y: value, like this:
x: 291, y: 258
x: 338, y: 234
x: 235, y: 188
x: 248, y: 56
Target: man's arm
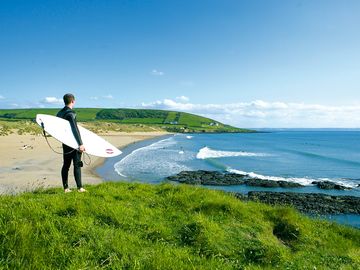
x: 75, y: 130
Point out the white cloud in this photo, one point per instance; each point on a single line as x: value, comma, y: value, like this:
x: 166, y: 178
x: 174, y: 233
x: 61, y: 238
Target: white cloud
x: 259, y: 113
x: 2, y: 97
x: 94, y: 98
x: 157, y: 72
x: 183, y: 98
x: 52, y: 101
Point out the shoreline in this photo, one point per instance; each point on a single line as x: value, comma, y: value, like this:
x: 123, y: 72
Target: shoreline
x: 107, y: 171
x: 27, y: 162
x: 100, y: 161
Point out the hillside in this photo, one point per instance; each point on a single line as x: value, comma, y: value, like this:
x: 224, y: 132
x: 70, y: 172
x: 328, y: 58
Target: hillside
x: 140, y: 226
x: 167, y: 120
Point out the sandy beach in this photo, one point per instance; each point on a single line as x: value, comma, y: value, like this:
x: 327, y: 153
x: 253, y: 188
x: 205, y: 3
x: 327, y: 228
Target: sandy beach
x: 28, y: 163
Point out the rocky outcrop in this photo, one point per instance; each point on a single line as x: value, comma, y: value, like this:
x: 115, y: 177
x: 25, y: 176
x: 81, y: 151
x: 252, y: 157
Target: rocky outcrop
x: 313, y: 203
x: 329, y: 185
x: 216, y: 178
x: 213, y: 178
x: 270, y: 183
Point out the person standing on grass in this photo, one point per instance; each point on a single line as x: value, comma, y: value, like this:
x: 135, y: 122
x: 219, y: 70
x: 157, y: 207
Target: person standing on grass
x: 70, y: 154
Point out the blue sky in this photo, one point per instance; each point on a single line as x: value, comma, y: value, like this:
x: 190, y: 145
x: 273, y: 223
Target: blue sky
x: 270, y: 63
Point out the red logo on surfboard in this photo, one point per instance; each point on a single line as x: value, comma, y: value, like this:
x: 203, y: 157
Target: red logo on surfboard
x: 109, y: 151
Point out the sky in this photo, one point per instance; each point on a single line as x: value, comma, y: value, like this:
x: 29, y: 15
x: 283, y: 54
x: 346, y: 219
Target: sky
x: 248, y: 63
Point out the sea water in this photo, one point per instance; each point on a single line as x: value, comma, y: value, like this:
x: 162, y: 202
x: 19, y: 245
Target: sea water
x: 295, y: 156
x: 301, y: 157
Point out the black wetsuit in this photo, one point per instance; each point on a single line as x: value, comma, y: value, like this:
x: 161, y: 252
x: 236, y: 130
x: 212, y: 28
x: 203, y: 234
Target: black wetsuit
x: 69, y: 153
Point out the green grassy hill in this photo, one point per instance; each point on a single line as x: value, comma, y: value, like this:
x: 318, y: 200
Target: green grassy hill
x: 139, y: 226
x: 167, y: 120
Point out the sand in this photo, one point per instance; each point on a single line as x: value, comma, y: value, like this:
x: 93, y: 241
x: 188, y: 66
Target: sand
x: 27, y: 162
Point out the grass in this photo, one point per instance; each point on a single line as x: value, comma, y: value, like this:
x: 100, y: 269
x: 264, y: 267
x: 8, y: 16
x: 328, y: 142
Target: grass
x: 101, y: 127
x: 140, y: 226
x: 143, y: 120
x: 171, y: 117
x: 19, y: 127
x: 194, y: 120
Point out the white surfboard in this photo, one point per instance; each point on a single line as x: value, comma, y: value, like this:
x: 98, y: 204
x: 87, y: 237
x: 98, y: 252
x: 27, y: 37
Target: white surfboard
x: 60, y: 129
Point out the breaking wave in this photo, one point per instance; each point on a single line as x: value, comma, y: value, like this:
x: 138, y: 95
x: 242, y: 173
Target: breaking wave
x: 157, y: 159
x: 306, y: 181
x: 207, y: 152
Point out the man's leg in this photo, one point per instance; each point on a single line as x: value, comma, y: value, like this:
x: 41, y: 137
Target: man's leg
x: 67, y: 156
x: 77, y: 168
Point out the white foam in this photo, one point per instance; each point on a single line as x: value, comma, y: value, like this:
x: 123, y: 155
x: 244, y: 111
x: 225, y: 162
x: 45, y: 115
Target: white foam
x: 157, y: 145
x: 159, y: 158
x: 160, y: 144
x: 189, y: 137
x: 207, y: 152
x: 306, y: 181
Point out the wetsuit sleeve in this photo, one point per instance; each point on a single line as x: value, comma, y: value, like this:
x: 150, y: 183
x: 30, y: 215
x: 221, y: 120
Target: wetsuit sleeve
x: 72, y: 119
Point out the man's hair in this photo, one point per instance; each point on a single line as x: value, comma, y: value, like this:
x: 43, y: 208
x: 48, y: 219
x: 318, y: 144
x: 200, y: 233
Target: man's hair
x: 68, y: 98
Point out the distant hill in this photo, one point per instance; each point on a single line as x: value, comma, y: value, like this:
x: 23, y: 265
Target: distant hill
x: 171, y: 121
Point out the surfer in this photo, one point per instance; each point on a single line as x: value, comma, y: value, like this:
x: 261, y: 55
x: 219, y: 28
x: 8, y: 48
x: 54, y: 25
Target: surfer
x: 70, y: 154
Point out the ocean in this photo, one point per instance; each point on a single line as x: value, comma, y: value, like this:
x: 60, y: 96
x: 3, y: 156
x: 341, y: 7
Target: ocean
x: 295, y: 156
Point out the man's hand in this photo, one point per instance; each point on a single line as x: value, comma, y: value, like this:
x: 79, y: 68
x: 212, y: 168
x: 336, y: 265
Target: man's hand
x: 81, y: 148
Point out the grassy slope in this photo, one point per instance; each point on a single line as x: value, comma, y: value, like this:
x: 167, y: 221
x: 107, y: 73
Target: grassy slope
x: 186, y: 122
x: 138, y: 226
x: 27, y: 127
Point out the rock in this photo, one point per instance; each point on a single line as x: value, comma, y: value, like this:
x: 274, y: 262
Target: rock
x: 201, y: 177
x: 329, y: 185
x: 261, y: 183
x: 313, y: 203
x: 216, y: 178
x: 269, y: 183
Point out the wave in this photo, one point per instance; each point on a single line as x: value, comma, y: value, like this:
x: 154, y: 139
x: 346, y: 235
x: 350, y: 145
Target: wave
x: 306, y: 181
x: 207, y: 152
x: 157, y: 145
x: 323, y: 157
x: 157, y: 160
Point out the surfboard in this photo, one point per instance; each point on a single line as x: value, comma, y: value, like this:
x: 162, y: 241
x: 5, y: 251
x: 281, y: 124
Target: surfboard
x: 60, y: 129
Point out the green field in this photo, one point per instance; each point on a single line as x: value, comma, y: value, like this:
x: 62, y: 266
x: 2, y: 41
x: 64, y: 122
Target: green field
x: 161, y: 120
x: 171, y: 117
x: 140, y: 226
x: 194, y: 120
x: 143, y: 120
